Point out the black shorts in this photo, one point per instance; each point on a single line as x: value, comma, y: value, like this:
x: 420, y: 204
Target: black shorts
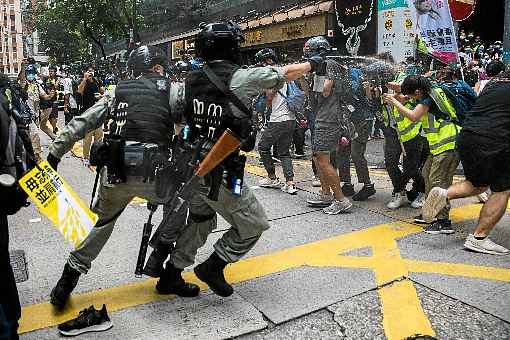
x: 485, y: 161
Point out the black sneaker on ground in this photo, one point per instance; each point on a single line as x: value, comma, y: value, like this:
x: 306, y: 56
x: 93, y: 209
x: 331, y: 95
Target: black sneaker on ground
x: 348, y: 189
x: 89, y: 320
x: 367, y: 191
x: 419, y: 219
x: 65, y: 286
x: 211, y: 272
x: 440, y: 227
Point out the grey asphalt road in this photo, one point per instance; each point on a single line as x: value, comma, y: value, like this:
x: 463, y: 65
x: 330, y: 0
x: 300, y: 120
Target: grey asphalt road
x: 290, y: 286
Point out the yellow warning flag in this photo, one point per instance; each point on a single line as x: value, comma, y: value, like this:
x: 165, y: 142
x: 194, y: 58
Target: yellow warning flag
x: 58, y: 201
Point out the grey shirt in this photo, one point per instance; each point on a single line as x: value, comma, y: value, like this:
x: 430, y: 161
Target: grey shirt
x: 329, y: 108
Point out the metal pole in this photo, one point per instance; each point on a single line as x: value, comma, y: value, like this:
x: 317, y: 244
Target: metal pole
x: 506, y: 35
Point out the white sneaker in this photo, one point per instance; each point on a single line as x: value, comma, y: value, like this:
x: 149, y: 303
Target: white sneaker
x: 396, y: 201
x: 484, y: 246
x: 316, y: 182
x: 319, y: 200
x: 270, y: 183
x: 290, y: 189
x: 338, y: 207
x: 435, y: 202
x: 418, y: 201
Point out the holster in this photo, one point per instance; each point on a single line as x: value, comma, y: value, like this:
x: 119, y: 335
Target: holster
x: 110, y: 153
x: 145, y: 160
x: 173, y: 174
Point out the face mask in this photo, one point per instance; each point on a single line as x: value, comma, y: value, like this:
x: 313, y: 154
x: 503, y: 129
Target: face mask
x: 30, y: 77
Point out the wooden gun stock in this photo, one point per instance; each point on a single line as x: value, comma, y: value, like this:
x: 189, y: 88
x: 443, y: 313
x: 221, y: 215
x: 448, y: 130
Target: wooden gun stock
x: 227, y: 144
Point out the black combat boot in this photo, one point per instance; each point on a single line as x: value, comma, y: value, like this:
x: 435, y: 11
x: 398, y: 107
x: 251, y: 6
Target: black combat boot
x: 171, y: 282
x: 211, y: 272
x: 65, y: 285
x: 154, y: 265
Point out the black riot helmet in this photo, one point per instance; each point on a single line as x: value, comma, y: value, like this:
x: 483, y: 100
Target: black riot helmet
x: 316, y: 46
x: 143, y: 58
x: 264, y: 54
x: 219, y: 41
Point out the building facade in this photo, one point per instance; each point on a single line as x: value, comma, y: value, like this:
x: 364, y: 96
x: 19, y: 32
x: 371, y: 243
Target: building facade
x: 11, y: 41
x: 285, y: 29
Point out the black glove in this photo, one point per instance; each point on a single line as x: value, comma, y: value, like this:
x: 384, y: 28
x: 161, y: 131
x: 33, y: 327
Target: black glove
x: 53, y: 161
x: 318, y: 65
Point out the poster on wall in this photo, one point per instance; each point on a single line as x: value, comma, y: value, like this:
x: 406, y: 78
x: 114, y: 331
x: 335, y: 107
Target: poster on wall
x: 396, y: 29
x: 434, y: 24
x: 356, y: 27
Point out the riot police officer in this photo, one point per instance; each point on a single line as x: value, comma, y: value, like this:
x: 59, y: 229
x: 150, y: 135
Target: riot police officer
x: 142, y: 130
x: 216, y: 98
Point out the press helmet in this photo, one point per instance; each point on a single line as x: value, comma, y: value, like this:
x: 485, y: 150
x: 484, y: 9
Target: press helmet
x: 144, y: 58
x: 219, y: 41
x: 264, y: 54
x: 316, y: 46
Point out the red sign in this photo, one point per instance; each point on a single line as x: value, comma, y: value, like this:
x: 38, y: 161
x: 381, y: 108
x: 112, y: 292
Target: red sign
x: 462, y: 9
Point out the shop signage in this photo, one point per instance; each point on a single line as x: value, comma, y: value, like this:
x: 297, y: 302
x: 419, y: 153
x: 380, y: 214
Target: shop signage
x: 356, y: 26
x: 177, y: 49
x: 296, y: 29
x: 396, y: 32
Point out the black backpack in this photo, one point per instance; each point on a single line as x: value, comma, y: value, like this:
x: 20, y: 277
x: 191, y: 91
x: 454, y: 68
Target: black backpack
x: 16, y: 152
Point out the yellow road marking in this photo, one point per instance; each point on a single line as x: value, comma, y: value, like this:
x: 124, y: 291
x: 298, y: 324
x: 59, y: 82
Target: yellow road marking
x: 402, y: 312
x: 459, y: 269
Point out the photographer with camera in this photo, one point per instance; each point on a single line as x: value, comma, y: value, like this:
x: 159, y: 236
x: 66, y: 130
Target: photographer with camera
x: 137, y: 146
x: 90, y: 90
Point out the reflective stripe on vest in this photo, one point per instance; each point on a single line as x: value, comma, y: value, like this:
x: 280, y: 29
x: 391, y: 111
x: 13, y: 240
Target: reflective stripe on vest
x: 442, y: 101
x: 407, y: 129
x: 441, y: 135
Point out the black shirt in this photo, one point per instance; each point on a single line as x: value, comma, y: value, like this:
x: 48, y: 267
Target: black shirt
x: 490, y: 116
x: 88, y: 97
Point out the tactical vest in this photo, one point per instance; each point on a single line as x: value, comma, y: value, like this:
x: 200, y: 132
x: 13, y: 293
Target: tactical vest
x: 143, y: 106
x: 207, y: 110
x: 441, y: 134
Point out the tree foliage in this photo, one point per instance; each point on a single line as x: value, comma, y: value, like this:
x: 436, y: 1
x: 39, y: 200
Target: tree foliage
x: 67, y: 27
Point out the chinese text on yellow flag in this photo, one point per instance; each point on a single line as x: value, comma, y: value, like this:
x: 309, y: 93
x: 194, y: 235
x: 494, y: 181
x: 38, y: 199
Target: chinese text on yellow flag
x: 57, y: 200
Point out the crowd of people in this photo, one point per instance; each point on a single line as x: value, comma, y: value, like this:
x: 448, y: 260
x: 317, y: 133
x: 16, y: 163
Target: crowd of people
x: 431, y: 122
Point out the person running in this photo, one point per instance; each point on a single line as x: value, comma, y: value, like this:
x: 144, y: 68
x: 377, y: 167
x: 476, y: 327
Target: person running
x: 484, y: 149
